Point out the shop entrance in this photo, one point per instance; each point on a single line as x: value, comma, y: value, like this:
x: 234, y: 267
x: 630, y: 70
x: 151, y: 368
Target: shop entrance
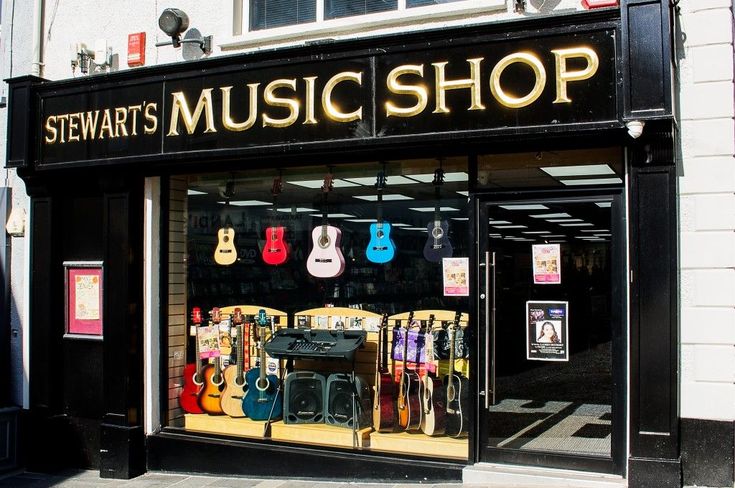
x: 551, y: 279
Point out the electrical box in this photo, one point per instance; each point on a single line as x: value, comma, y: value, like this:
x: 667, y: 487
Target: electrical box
x: 599, y: 3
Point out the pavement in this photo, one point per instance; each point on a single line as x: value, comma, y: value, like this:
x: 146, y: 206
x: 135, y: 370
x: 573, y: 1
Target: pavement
x: 90, y: 479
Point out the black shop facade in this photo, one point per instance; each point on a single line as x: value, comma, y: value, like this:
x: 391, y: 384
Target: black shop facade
x: 404, y: 257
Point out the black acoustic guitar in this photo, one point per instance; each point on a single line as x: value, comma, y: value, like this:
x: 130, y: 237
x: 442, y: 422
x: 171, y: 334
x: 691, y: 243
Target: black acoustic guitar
x: 457, y: 390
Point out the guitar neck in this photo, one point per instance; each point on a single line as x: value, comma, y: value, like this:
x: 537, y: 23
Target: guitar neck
x: 262, y: 354
x: 240, y: 351
x: 384, y: 350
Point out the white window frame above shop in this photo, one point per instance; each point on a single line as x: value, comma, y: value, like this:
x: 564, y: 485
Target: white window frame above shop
x: 402, y: 19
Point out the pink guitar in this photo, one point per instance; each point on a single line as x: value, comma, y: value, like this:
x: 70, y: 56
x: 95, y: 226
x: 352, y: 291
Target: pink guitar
x: 275, y: 250
x: 325, y: 259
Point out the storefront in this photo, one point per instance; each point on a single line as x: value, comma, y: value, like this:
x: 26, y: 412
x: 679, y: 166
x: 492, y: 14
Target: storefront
x: 390, y: 258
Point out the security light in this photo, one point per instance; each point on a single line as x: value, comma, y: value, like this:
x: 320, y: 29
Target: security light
x: 174, y: 22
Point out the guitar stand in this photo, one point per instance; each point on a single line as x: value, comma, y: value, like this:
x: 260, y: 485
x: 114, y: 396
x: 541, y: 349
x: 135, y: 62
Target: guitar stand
x: 273, y: 405
x: 355, y: 418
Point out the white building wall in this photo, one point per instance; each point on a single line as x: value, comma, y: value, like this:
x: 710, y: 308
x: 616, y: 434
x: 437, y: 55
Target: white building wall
x: 707, y: 212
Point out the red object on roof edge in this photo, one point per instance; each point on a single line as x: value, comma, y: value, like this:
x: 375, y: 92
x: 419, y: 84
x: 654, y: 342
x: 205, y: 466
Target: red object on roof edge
x: 599, y: 3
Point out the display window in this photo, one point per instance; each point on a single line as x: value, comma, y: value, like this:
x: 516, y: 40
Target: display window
x: 323, y: 306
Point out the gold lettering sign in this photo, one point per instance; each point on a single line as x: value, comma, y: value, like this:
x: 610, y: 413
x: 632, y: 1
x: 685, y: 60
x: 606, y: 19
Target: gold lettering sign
x: 110, y: 123
x: 418, y: 91
x: 180, y: 107
x: 563, y: 76
x: 473, y: 83
x: 332, y: 110
x: 538, y: 88
x: 290, y: 103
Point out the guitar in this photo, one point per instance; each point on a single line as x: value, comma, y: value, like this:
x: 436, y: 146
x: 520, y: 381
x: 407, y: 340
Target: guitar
x: 235, y: 385
x: 458, y: 391
x: 409, y: 400
x: 381, y: 247
x: 275, y: 250
x: 434, y: 399
x: 262, y: 400
x: 437, y: 244
x: 226, y: 253
x: 211, y: 392
x: 384, y: 405
x: 325, y: 259
x: 193, y: 380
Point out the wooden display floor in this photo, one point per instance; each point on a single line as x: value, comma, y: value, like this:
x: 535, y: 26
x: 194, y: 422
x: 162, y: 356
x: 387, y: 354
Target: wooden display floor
x: 329, y: 435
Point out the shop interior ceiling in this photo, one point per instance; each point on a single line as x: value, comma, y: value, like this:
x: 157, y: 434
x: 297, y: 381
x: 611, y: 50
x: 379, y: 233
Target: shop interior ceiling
x: 409, y: 195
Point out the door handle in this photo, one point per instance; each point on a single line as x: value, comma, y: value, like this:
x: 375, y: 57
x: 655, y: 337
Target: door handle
x: 489, y: 329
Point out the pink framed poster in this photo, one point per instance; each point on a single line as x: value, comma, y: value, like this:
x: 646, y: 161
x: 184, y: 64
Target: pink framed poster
x: 83, y: 291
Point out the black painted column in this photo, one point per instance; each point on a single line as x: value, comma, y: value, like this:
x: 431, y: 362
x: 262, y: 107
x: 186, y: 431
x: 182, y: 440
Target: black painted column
x: 654, y: 311
x: 122, y: 438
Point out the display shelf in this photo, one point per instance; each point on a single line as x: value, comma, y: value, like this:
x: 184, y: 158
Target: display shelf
x: 323, y: 434
x: 439, y: 316
x: 418, y: 443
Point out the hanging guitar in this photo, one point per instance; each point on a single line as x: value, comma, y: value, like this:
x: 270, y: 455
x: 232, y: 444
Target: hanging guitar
x: 235, y: 385
x: 211, y: 392
x: 384, y: 405
x: 325, y: 259
x: 381, y: 248
x: 225, y: 253
x: 437, y: 244
x: 193, y: 379
x: 275, y: 250
x: 458, y: 391
x: 262, y: 400
x: 433, y: 398
x: 409, y: 399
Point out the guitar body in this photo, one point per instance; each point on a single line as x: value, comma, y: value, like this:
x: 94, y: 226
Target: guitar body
x: 258, y: 402
x: 458, y: 390
x: 225, y: 253
x: 189, y: 397
x: 384, y: 416
x: 211, y: 392
x: 275, y: 251
x: 437, y: 244
x: 434, y: 418
x: 325, y: 259
x: 381, y: 248
x: 409, y: 401
x: 234, y: 392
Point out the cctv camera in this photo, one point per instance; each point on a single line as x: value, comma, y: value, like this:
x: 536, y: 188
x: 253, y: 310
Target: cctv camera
x: 635, y: 128
x: 174, y: 22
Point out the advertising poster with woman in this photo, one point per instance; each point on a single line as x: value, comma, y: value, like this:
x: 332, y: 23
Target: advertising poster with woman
x: 547, y: 331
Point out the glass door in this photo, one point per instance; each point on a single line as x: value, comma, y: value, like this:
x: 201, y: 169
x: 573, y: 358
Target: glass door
x: 552, y: 274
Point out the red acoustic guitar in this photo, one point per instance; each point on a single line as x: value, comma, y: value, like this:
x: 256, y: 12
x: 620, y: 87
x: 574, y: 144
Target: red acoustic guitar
x: 384, y: 406
x: 275, y: 250
x: 193, y: 379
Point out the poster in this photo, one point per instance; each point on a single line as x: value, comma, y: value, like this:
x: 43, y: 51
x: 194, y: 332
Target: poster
x: 208, y: 337
x: 547, y: 331
x: 456, y: 272
x: 546, y: 264
x: 84, y: 291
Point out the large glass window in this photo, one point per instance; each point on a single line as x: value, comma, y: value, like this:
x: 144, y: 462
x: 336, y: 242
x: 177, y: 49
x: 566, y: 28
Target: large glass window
x: 319, y: 261
x: 267, y: 14
x: 334, y: 9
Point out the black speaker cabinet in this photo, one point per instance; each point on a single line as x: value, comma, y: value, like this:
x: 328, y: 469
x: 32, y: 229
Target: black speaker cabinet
x: 338, y: 409
x: 304, y: 398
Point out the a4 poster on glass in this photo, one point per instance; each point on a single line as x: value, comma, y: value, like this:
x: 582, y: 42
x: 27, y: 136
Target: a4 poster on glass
x: 83, y: 291
x: 547, y: 330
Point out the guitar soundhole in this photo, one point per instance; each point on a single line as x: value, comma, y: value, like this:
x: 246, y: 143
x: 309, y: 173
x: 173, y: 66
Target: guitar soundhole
x: 450, y: 392
x: 324, y: 242
x: 225, y: 239
x: 437, y: 232
x: 262, y: 385
x: 379, y: 234
x: 239, y: 382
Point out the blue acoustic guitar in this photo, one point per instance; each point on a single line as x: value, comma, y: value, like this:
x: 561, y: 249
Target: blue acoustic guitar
x: 381, y: 247
x: 263, y: 400
x: 437, y: 244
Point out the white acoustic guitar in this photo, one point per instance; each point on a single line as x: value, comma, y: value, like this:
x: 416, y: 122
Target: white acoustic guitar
x: 326, y: 259
x: 226, y: 252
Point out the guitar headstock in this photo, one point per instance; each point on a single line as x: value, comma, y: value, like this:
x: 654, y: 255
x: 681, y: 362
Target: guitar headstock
x: 237, y: 317
x: 196, y: 315
x: 457, y: 318
x: 384, y: 321
x: 380, y: 180
x: 438, y: 177
x: 277, y: 187
x: 262, y: 318
x: 216, y: 315
x: 430, y: 325
x: 328, y: 183
x: 409, y: 321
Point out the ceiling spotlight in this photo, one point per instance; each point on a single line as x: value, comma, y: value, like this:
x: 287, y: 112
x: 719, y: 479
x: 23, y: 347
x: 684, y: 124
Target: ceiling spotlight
x: 174, y: 22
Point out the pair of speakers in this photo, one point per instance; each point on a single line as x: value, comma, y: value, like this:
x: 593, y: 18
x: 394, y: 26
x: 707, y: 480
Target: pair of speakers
x: 313, y: 398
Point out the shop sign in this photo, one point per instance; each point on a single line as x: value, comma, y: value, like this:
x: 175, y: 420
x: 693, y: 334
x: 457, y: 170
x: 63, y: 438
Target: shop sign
x: 471, y: 86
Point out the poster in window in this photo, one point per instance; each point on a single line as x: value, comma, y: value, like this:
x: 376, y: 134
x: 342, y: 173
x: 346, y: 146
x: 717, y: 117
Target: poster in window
x: 547, y: 331
x: 546, y: 264
x: 456, y: 272
x: 83, y: 291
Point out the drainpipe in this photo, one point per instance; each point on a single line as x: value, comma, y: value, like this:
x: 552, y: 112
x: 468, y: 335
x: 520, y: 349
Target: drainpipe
x: 37, y: 58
